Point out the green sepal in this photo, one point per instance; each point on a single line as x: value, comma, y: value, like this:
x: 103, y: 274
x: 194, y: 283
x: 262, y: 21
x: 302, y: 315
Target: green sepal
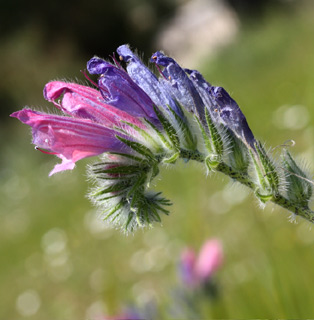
x: 129, y: 156
x: 139, y: 148
x: 113, y: 210
x: 117, y: 187
x: 190, y: 140
x: 120, y: 169
x: 268, y: 168
x: 172, y: 159
x: 216, y: 137
x: 206, y: 137
x: 161, y: 136
x: 211, y: 163
x: 153, y: 172
x: 299, y: 187
x: 99, y: 199
x: 137, y: 185
x: 264, y: 197
x: 170, y: 130
x: 145, y: 135
x: 238, y: 155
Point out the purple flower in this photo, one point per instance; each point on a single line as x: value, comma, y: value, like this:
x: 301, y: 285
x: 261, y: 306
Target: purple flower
x: 193, y: 92
x: 198, y: 269
x: 145, y: 79
x: 119, y: 90
x: 231, y: 115
x: 175, y: 79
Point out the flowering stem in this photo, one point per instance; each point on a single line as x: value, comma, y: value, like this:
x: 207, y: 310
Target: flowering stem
x: 192, y: 155
x: 303, y: 211
x: 238, y: 176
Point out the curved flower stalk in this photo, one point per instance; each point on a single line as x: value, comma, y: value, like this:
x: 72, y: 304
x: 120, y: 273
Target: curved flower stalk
x: 137, y: 121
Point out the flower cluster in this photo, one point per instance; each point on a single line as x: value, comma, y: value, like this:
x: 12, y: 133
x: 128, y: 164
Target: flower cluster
x: 136, y: 121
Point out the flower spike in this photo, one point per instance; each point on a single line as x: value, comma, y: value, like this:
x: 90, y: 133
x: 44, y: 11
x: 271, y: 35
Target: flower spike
x: 136, y: 122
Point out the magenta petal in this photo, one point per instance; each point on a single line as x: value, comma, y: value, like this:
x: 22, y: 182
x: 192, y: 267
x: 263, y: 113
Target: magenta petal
x: 85, y: 102
x: 66, y: 164
x: 71, y: 139
x: 209, y: 260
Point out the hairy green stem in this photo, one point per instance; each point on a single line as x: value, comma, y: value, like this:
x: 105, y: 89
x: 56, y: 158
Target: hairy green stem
x: 303, y: 211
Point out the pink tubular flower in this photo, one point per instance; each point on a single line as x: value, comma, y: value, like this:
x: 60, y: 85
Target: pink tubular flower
x: 85, y: 102
x: 198, y: 269
x: 69, y: 139
x: 87, y: 131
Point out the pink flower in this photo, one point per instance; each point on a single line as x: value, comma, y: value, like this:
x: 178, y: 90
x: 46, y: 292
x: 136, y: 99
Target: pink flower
x: 85, y: 102
x: 209, y: 259
x: 69, y: 139
x: 197, y: 269
x: 87, y: 129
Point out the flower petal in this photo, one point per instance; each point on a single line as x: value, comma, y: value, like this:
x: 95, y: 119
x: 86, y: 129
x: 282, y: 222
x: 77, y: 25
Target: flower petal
x: 179, y: 84
x: 71, y: 139
x: 223, y: 109
x: 145, y: 79
x: 85, y: 102
x: 66, y: 164
x: 231, y: 115
x: 209, y: 259
x: 119, y: 90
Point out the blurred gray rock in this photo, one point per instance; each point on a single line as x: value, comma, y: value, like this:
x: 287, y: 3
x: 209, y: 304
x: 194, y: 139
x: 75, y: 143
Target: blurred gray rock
x: 198, y: 30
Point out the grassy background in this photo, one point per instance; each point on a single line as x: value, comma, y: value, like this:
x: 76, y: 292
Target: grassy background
x: 52, y: 247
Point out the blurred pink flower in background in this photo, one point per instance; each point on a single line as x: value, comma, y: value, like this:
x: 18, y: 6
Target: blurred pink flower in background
x: 198, y: 269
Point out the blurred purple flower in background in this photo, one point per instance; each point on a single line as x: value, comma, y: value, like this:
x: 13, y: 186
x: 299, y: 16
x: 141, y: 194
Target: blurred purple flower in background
x: 197, y: 269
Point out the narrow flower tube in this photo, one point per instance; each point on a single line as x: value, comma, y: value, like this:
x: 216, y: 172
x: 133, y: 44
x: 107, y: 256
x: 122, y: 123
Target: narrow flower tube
x: 119, y: 90
x: 85, y: 102
x: 69, y: 139
x: 179, y: 84
x: 231, y: 115
x: 145, y: 79
x: 223, y: 109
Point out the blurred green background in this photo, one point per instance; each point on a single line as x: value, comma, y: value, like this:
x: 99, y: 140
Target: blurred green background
x: 59, y: 262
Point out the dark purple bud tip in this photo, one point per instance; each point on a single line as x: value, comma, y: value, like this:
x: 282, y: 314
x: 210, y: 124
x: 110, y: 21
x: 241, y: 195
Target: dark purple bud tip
x: 162, y: 60
x: 97, y: 66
